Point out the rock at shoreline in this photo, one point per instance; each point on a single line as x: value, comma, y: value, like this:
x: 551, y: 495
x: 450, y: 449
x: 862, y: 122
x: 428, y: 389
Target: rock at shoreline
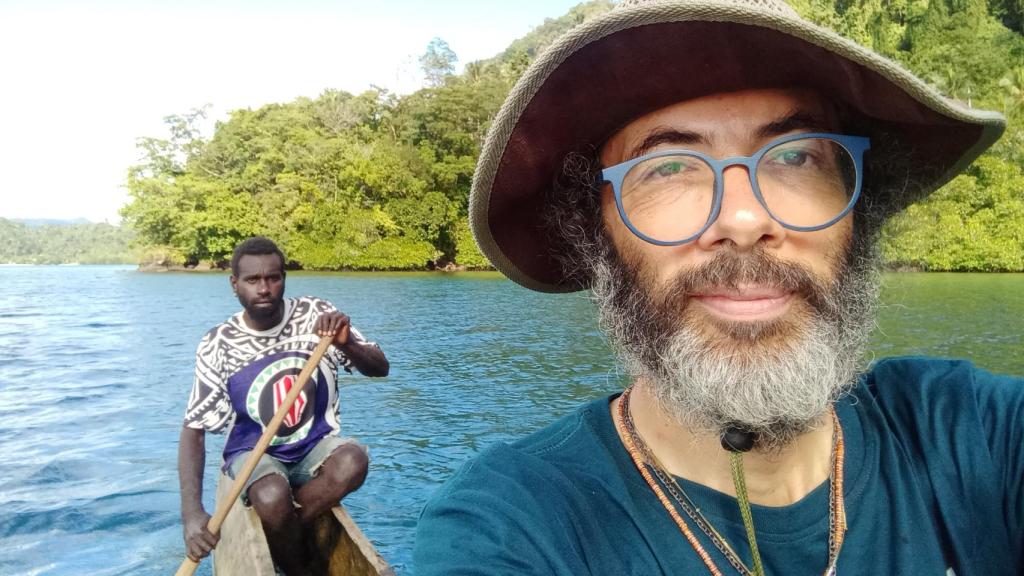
x: 163, y: 267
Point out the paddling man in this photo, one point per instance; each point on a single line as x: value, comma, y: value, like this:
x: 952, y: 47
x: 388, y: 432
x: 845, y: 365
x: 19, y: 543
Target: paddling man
x: 717, y: 173
x: 244, y: 368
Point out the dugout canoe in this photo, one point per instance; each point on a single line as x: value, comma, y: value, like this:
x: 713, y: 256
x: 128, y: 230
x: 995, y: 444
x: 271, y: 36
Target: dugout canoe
x: 242, y: 550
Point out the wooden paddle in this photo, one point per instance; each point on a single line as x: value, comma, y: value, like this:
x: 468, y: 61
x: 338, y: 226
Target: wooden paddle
x: 188, y: 565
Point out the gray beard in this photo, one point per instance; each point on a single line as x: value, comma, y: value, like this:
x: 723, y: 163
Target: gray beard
x: 778, y: 379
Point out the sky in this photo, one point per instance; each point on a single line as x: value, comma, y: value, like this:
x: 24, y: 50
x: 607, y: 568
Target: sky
x: 80, y: 82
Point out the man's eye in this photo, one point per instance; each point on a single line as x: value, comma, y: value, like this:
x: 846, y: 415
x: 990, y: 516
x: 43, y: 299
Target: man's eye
x: 793, y: 157
x: 669, y: 168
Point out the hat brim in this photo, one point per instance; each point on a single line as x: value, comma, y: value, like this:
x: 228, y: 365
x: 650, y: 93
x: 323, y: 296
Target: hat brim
x: 629, y: 62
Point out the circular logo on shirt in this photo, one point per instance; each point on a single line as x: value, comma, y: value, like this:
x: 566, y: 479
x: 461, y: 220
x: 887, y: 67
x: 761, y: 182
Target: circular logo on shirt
x: 268, y: 392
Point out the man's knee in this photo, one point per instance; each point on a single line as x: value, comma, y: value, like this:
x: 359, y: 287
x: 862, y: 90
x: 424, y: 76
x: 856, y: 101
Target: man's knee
x: 346, y: 467
x: 271, y: 497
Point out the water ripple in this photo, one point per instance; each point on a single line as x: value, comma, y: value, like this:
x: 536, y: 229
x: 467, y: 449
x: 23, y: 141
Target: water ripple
x: 92, y: 393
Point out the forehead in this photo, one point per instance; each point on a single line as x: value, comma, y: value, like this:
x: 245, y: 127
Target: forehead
x: 259, y: 264
x: 722, y: 118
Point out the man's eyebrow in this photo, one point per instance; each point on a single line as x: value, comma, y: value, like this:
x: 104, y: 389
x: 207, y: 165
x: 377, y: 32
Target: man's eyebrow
x: 793, y: 122
x: 666, y: 136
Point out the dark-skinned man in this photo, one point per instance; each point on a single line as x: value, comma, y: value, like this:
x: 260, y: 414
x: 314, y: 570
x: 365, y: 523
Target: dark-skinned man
x: 244, y: 368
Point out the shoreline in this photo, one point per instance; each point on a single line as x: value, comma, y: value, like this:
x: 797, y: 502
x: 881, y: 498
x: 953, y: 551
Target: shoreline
x: 297, y: 272
x: 162, y: 269
x: 206, y: 269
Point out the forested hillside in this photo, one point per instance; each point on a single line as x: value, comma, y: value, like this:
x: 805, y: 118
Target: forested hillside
x: 378, y: 181
x: 971, y: 50
x: 64, y: 244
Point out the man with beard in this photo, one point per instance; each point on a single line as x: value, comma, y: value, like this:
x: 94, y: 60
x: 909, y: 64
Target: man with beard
x: 718, y: 173
x: 244, y: 368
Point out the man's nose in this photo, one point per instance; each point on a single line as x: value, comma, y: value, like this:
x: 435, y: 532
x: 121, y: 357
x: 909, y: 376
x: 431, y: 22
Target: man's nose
x: 742, y: 220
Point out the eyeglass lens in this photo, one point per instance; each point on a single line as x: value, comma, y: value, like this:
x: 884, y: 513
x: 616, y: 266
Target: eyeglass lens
x: 803, y: 183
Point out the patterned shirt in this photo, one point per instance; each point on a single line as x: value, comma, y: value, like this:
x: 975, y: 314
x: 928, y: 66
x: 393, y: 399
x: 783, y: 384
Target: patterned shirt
x: 243, y: 375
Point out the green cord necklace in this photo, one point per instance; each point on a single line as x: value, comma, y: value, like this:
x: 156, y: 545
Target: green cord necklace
x: 739, y: 482
x: 646, y: 462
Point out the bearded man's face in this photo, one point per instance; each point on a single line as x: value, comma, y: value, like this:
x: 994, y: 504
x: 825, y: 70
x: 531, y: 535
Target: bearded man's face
x: 751, y: 324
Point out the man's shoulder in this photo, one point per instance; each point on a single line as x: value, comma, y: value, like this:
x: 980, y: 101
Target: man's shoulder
x: 916, y: 374
x: 526, y: 487
x: 904, y: 382
x: 218, y: 333
x: 304, y: 310
x: 914, y: 389
x: 550, y: 454
x: 561, y: 442
x: 314, y: 303
x: 510, y: 506
x: 951, y: 425
x: 561, y: 434
x: 925, y: 365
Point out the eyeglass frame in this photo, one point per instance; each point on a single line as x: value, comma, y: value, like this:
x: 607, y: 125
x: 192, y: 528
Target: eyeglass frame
x: 855, y: 145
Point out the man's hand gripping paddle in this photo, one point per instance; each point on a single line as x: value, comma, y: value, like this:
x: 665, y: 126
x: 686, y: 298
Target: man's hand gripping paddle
x: 188, y: 565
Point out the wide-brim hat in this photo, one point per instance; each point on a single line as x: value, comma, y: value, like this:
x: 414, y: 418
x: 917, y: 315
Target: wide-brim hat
x: 642, y: 56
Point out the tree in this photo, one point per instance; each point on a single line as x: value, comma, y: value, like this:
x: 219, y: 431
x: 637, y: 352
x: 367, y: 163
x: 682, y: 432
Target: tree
x: 1012, y: 85
x: 378, y: 181
x: 974, y: 223
x: 1010, y: 13
x: 168, y: 157
x: 542, y: 36
x: 438, y: 62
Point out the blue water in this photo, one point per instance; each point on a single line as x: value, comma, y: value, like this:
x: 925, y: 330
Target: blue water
x: 96, y: 364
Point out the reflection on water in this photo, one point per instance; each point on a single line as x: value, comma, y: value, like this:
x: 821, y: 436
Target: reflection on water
x: 96, y: 362
x: 976, y: 316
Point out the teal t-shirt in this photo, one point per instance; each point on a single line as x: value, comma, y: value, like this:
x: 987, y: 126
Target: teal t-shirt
x: 934, y: 478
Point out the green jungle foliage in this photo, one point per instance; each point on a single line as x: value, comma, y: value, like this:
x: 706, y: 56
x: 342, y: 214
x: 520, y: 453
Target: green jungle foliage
x: 378, y: 181
x: 973, y: 51
x: 68, y: 244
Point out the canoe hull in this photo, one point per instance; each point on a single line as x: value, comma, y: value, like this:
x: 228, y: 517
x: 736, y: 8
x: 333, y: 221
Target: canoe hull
x: 243, y: 551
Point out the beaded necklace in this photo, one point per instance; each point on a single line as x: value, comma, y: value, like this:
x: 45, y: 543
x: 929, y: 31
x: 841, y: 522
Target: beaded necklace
x: 650, y: 468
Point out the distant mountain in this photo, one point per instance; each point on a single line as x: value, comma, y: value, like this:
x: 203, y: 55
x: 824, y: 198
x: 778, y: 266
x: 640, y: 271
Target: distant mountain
x: 37, y: 222
x: 51, y: 241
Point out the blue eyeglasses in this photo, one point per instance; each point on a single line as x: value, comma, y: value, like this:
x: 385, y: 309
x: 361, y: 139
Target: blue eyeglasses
x: 805, y: 182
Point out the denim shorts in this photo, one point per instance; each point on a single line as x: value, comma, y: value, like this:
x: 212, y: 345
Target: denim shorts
x: 296, y: 473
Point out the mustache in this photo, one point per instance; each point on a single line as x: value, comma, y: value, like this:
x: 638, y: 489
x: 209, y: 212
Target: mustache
x: 777, y: 378
x: 251, y: 307
x: 731, y: 270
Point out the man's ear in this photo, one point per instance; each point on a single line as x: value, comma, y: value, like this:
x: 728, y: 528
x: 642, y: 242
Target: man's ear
x: 234, y: 282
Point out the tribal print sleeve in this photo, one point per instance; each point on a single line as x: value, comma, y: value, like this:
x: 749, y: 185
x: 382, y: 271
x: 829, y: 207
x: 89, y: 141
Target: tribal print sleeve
x: 209, y: 407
